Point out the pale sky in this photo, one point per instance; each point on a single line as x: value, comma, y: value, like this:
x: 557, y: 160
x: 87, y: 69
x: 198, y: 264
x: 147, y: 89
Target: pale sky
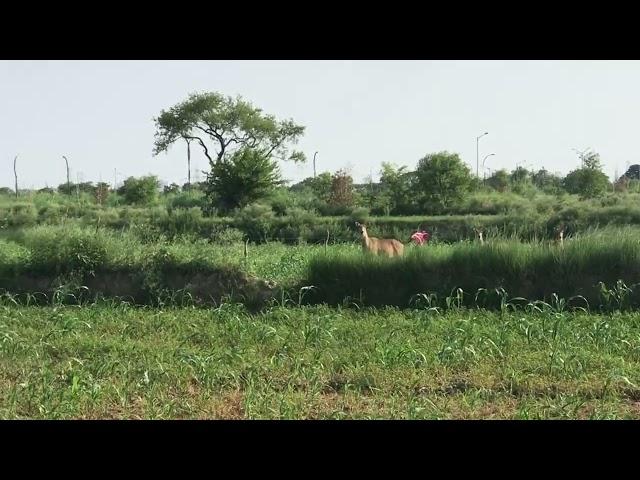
x: 357, y: 114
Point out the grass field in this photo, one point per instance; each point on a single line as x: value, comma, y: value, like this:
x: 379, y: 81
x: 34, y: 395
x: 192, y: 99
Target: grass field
x: 117, y: 361
x: 446, y: 354
x: 599, y: 270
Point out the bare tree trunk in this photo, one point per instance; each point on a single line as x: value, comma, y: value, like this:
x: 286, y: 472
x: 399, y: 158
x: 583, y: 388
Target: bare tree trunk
x: 16, y: 174
x: 68, y: 182
x: 314, y: 164
x: 188, y: 163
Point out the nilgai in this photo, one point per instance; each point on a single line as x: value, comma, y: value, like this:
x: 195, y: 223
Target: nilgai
x: 560, y: 231
x: 479, y: 235
x: 380, y: 246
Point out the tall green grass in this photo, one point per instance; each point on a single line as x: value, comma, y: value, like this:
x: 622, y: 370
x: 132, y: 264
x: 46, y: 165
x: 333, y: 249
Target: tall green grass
x: 476, y: 274
x: 535, y: 270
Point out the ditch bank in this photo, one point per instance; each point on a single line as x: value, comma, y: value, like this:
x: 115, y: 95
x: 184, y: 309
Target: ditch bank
x: 206, y: 288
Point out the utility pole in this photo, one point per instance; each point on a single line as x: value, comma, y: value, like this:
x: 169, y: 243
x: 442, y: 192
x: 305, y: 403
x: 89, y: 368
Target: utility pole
x: 68, y: 182
x: 16, y: 174
x: 314, y: 164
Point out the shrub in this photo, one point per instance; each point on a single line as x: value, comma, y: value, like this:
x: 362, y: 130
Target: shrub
x: 22, y: 215
x: 66, y: 250
x: 255, y: 221
x: 140, y: 191
x: 228, y: 236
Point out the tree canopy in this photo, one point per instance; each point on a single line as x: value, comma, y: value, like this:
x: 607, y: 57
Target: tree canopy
x: 222, y: 124
x: 442, y: 178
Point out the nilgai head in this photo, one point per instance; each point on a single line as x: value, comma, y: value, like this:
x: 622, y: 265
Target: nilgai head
x: 361, y: 228
x: 479, y: 234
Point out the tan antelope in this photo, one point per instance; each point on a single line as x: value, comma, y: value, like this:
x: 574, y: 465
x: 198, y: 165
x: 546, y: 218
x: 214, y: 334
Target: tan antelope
x: 559, y: 232
x: 380, y: 246
x: 479, y: 235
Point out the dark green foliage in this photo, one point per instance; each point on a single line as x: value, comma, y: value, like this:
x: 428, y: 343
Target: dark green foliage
x: 245, y: 177
x: 187, y: 199
x: 227, y: 123
x: 589, y: 180
x: 171, y: 188
x: 397, y: 191
x: 442, y: 180
x: 499, y: 181
x: 140, y: 191
x: 256, y: 221
x: 547, y: 182
x: 586, y: 182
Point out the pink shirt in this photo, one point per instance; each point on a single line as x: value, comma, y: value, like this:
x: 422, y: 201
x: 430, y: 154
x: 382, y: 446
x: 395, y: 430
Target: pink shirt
x: 420, y: 237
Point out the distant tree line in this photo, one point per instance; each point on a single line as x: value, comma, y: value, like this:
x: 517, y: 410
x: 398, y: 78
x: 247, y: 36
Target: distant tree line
x: 243, y: 146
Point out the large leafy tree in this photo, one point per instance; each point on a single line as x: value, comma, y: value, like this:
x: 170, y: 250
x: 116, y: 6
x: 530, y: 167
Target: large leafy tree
x: 443, y: 178
x: 589, y: 180
x: 222, y: 124
x: 397, y: 185
x: 240, y: 141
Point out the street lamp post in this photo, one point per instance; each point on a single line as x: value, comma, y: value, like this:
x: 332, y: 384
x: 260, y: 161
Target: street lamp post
x: 484, y: 172
x: 478, y: 154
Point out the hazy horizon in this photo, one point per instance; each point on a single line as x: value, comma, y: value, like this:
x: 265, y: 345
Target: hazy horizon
x: 357, y: 114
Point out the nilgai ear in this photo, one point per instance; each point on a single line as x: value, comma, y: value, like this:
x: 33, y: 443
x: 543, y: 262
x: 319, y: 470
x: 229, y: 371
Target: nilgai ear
x: 357, y: 224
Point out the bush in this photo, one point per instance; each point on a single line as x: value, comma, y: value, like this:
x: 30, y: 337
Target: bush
x: 281, y: 201
x: 140, y: 191
x: 147, y: 233
x: 13, y: 257
x: 246, y: 176
x: 50, y: 214
x: 22, y: 215
x: 255, y: 221
x: 228, y: 236
x: 188, y: 199
x: 66, y: 250
x: 181, y: 221
x: 360, y: 215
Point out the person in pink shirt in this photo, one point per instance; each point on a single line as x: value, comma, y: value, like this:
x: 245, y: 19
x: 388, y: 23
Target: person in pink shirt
x: 420, y: 237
